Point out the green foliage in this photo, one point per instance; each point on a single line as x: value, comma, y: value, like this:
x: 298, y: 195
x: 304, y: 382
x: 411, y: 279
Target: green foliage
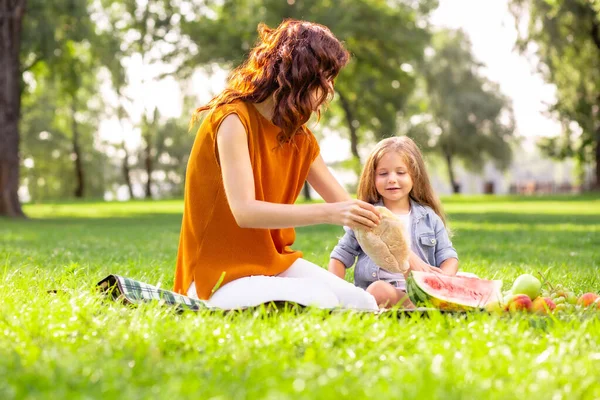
x: 73, y: 344
x: 386, y: 45
x: 60, y: 106
x: 172, y: 145
x: 463, y: 115
x: 48, y: 31
x: 566, y: 34
x: 63, y: 66
x: 46, y: 140
x: 144, y: 30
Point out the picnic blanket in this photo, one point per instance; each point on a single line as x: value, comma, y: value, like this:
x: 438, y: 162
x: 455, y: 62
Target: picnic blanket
x: 130, y: 291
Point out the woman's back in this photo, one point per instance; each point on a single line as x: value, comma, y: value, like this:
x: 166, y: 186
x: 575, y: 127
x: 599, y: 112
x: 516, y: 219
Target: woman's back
x: 212, y: 245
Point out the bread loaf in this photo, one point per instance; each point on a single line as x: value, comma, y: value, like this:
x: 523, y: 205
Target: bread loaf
x: 386, y: 244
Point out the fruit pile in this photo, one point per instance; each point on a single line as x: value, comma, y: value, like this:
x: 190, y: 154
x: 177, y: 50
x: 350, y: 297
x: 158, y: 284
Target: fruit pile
x: 526, y: 295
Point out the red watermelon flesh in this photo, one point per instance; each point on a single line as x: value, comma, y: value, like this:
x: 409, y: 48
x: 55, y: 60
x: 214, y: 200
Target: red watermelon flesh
x: 453, y: 292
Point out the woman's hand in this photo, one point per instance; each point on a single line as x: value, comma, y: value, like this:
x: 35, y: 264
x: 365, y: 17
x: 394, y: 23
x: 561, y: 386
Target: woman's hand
x: 354, y: 214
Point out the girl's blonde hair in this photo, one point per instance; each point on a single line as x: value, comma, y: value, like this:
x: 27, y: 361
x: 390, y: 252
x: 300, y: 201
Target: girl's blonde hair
x: 422, y: 191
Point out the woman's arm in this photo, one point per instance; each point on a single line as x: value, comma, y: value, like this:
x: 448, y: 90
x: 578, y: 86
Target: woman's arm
x: 238, y: 180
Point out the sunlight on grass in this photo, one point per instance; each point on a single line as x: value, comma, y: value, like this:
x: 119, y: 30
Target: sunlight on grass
x: 73, y: 343
x: 510, y: 227
x: 528, y: 207
x: 102, y: 210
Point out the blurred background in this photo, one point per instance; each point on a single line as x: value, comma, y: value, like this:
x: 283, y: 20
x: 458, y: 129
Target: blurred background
x: 503, y: 96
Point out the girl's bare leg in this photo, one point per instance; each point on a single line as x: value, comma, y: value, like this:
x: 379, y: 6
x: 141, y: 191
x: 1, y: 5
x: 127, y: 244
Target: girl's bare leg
x: 388, y: 296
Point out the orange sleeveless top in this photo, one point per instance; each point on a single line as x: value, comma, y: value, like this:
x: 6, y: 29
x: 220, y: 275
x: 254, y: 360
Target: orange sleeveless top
x: 213, y: 249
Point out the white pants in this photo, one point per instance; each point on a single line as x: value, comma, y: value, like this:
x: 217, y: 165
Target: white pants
x: 304, y: 283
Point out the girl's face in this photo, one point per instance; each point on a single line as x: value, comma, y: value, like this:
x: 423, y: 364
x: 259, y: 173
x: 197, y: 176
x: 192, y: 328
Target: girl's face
x: 392, y: 179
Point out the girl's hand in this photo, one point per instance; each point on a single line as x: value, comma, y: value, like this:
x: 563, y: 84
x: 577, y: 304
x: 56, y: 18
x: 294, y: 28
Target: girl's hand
x: 437, y: 270
x: 416, y: 264
x: 426, y: 268
x: 354, y: 214
x: 446, y: 272
x: 449, y: 266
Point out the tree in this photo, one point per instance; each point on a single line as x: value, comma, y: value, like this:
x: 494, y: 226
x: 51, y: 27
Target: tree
x: 371, y: 91
x: 76, y: 82
x: 173, y: 143
x: 24, y: 42
x: 71, y: 75
x: 50, y: 161
x: 11, y: 18
x: 567, y: 38
x: 47, y: 144
x: 385, y: 45
x: 465, y: 115
x: 125, y: 167
x: 144, y: 30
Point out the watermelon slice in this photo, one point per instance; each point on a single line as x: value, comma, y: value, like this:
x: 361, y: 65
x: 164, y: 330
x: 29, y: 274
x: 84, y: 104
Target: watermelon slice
x: 452, y: 293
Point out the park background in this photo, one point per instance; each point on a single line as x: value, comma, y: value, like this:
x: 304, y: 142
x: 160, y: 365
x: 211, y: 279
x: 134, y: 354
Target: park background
x: 503, y: 98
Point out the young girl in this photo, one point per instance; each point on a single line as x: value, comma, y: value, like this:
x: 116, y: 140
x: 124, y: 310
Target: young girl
x: 394, y: 176
x: 248, y: 164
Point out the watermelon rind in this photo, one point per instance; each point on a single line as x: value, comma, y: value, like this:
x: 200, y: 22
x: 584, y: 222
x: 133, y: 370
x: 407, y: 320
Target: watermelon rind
x: 414, y: 292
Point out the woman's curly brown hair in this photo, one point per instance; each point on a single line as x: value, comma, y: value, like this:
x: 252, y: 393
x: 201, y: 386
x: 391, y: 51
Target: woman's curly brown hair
x: 291, y: 62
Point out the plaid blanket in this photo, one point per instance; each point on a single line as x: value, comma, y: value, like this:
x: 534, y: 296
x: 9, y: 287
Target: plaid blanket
x: 130, y: 291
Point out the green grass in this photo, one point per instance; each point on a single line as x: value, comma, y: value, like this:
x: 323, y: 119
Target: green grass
x: 73, y: 344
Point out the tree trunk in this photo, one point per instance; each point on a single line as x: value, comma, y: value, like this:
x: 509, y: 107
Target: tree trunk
x: 595, y: 33
x: 148, y: 166
x: 11, y: 16
x: 306, y: 191
x: 597, y: 184
x: 455, y: 185
x: 79, y: 174
x: 147, y: 154
x: 349, y: 119
x: 125, y: 164
x: 126, y: 171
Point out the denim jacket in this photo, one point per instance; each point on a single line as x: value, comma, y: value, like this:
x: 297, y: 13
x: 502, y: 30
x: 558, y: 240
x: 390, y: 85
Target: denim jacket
x: 430, y: 241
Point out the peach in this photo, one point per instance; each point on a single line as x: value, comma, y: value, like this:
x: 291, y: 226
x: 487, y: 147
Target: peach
x: 588, y: 299
x: 542, y: 305
x: 519, y: 302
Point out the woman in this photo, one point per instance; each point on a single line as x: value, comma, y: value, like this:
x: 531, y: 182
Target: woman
x: 248, y: 164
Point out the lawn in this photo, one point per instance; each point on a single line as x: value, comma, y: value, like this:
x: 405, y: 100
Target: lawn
x: 74, y: 344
